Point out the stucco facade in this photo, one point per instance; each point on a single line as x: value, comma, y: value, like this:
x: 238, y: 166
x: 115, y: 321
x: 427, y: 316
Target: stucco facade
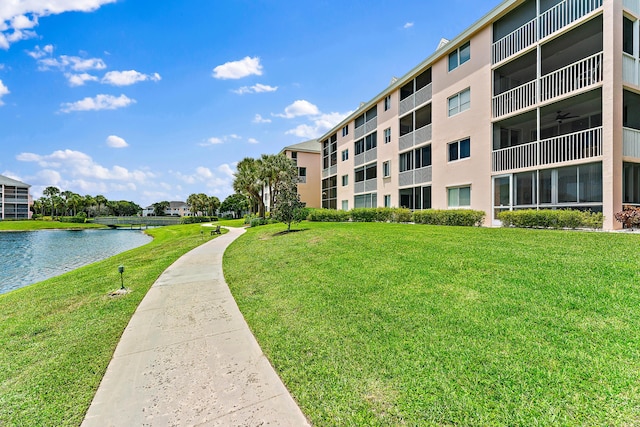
x: 536, y: 105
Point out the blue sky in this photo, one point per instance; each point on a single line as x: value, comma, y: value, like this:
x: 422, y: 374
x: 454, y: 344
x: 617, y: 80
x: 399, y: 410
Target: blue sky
x: 150, y: 100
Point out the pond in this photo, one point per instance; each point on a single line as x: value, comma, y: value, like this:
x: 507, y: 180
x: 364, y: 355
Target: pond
x: 27, y: 257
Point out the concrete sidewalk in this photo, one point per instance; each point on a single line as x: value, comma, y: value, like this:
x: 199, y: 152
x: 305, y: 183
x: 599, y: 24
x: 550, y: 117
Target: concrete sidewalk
x: 187, y: 357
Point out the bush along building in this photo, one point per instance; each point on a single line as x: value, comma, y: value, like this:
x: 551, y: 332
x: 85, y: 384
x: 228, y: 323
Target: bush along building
x: 536, y: 105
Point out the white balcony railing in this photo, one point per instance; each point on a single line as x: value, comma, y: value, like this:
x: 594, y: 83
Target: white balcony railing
x: 515, y: 99
x: 515, y: 41
x: 571, y: 78
x: 565, y: 148
x: 629, y: 69
x: 632, y: 5
x: 550, y: 21
x: 631, y: 145
x: 564, y: 14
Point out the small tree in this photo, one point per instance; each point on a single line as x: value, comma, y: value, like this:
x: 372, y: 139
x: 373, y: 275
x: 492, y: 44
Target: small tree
x: 287, y: 207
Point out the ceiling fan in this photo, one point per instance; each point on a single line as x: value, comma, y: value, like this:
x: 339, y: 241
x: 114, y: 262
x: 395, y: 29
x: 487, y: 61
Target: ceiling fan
x: 560, y: 116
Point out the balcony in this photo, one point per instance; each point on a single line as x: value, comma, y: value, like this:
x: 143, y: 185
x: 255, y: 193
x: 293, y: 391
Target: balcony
x: 630, y: 69
x: 365, y: 186
x: 572, y: 78
x: 333, y: 170
x: 564, y: 148
x: 417, y: 137
x: 631, y: 144
x: 366, y: 157
x: 417, y: 99
x: 416, y: 176
x: 558, y: 17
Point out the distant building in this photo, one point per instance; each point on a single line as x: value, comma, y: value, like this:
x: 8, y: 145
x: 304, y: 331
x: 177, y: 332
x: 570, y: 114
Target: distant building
x: 307, y: 156
x: 175, y: 209
x: 15, y: 199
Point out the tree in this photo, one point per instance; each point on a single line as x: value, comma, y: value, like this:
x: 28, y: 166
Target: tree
x: 273, y: 168
x: 101, y: 201
x: 89, y: 202
x: 236, y: 203
x: 160, y: 207
x: 287, y: 207
x: 51, y: 192
x: 213, y: 203
x: 247, y: 181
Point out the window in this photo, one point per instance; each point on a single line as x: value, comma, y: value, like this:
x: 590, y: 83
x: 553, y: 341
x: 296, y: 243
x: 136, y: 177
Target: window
x: 415, y: 198
x: 294, y: 155
x: 406, y: 161
x: 459, y: 56
x: 329, y: 193
x: 330, y: 152
x: 372, y: 113
x: 387, y: 135
x: 345, y: 130
x: 387, y: 200
x: 459, y: 197
x: 627, y: 35
x: 302, y: 172
x: 345, y: 205
x: 386, y: 169
x: 460, y: 102
x: 358, y: 146
x: 387, y: 102
x: 459, y: 150
x: 359, y: 121
x: 371, y: 141
x: 345, y: 155
x: 365, y: 173
x: 366, y: 200
x: 345, y: 180
x: 415, y: 159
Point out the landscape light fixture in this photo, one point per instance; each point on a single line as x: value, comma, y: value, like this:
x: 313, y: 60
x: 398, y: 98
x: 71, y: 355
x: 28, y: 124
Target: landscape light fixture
x: 121, y: 270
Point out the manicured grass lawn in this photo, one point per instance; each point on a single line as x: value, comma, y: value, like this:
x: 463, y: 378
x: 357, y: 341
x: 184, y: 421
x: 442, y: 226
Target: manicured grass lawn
x: 231, y: 222
x: 28, y: 225
x: 57, y: 336
x: 392, y: 324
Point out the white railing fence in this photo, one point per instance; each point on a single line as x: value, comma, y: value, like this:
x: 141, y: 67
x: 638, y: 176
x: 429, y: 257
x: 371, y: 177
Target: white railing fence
x: 515, y: 99
x: 572, y: 77
x: 631, y: 138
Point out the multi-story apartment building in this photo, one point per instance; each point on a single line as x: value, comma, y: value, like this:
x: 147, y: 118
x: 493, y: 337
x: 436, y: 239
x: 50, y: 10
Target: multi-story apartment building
x: 536, y: 105
x: 306, y: 156
x: 15, y: 200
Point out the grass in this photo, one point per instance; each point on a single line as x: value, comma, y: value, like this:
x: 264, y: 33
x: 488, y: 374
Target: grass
x: 392, y: 324
x: 30, y: 225
x: 58, y: 336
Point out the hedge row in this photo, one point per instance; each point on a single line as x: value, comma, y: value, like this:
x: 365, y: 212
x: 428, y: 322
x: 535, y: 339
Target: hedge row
x: 548, y: 218
x: 462, y: 217
x: 197, y: 219
x: 78, y: 219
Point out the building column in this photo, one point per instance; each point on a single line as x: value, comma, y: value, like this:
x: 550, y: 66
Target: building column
x: 612, y: 136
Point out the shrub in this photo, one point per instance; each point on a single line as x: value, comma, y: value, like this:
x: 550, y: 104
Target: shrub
x: 363, y: 214
x: 402, y: 215
x: 78, y: 219
x: 459, y: 217
x: 384, y: 214
x: 629, y: 216
x: 197, y: 219
x: 327, y: 215
x: 549, y: 218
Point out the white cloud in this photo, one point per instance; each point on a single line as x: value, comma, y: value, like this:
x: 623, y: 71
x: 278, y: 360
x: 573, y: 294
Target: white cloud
x: 66, y: 62
x: 126, y: 78
x: 320, y: 124
x: 258, y: 88
x: 408, y: 25
x: 18, y: 17
x: 299, y: 108
x: 253, y: 141
x: 80, y: 79
x: 100, y: 102
x: 218, y: 181
x: 81, y: 166
x: 213, y: 141
x: 259, y: 119
x: 238, y: 69
x: 3, y: 91
x: 40, y: 52
x: 216, y: 140
x: 114, y: 141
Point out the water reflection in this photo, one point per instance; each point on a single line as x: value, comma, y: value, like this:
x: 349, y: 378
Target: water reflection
x: 32, y: 256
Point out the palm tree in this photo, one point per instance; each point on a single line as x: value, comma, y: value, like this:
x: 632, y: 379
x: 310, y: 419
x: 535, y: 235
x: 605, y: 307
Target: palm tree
x: 213, y: 203
x: 50, y: 192
x: 100, y: 200
x: 89, y: 202
x: 247, y: 181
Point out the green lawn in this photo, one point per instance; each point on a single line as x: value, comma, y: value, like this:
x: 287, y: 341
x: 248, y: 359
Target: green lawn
x: 392, y: 324
x: 29, y: 225
x: 57, y: 336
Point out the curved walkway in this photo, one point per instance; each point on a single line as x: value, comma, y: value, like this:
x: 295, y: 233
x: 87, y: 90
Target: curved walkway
x: 188, y: 357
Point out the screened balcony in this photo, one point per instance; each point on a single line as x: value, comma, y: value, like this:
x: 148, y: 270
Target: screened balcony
x: 415, y: 128
x: 570, y: 130
x: 416, y: 92
x: 569, y: 64
x: 521, y: 28
x: 366, y: 122
x: 631, y: 124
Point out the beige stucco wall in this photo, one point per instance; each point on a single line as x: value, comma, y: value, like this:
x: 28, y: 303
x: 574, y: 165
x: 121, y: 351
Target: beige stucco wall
x: 310, y: 191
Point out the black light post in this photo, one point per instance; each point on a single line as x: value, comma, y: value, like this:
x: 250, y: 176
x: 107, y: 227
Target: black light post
x: 121, y: 270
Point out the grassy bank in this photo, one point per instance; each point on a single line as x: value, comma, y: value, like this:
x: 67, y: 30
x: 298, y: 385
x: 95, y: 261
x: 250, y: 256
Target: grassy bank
x: 391, y: 324
x: 57, y: 336
x: 32, y: 225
